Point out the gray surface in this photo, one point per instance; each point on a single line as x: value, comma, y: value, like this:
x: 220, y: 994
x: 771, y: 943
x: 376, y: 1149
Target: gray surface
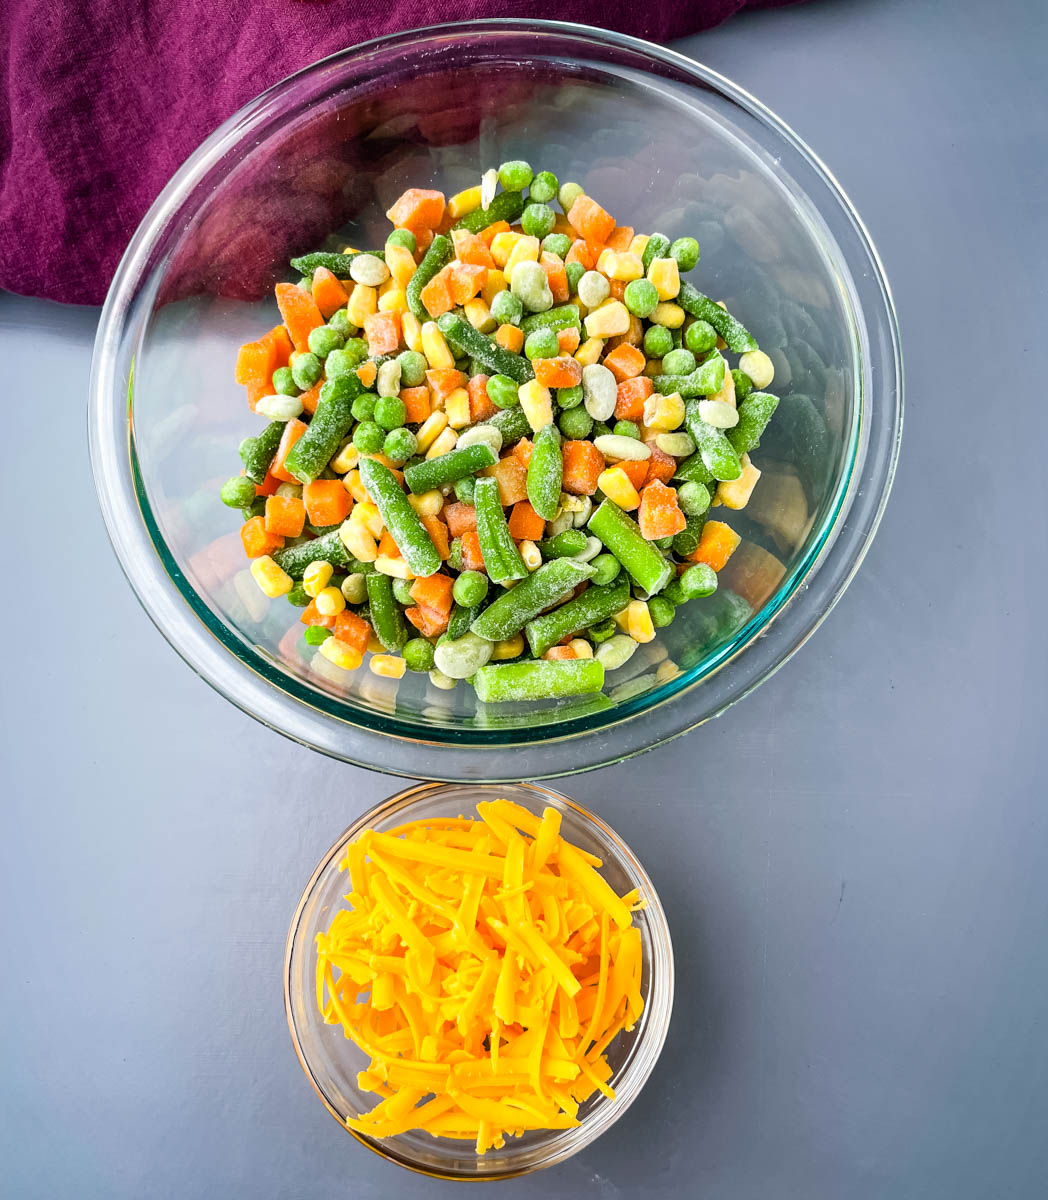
x: 857, y: 884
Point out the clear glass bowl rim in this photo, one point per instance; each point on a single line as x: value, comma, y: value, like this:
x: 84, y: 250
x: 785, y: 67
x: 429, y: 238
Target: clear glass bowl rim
x: 659, y: 1000
x: 383, y: 742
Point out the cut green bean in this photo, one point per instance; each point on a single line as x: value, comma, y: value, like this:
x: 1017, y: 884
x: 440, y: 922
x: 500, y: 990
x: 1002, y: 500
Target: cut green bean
x: 514, y: 609
x: 506, y: 206
x: 495, y: 359
x: 565, y: 544
x: 736, y: 336
x: 497, y: 548
x: 387, y: 617
x: 658, y: 247
x: 449, y: 468
x: 622, y: 536
x: 329, y: 548
x: 594, y: 605
x: 256, y: 453
x: 713, y: 447
x: 566, y: 316
x: 545, y: 472
x: 462, y: 617
x: 754, y: 414
x: 512, y: 423
x: 503, y: 682
x: 693, y: 468
x: 404, y: 524
x: 330, y: 424
x: 436, y: 257
x: 705, y: 380
x: 337, y: 264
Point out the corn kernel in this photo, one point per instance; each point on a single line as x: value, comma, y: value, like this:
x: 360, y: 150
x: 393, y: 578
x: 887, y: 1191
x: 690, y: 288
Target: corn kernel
x: 664, y: 274
x: 273, y: 580
x: 479, y: 315
x: 508, y: 647
x: 433, y: 425
x: 374, y: 646
x: 663, y: 414
x: 362, y: 303
x: 621, y: 619
x: 638, y: 622
x: 428, y: 504
x: 401, y: 263
x: 581, y: 647
x: 456, y: 408
x: 531, y: 555
x: 666, y: 671
x: 616, y: 485
x: 510, y: 337
x: 758, y: 366
x: 502, y: 245
x: 389, y: 666
x: 316, y: 576
x: 357, y: 540
x: 411, y: 331
x: 395, y: 568
x: 443, y: 443
x: 620, y: 265
x: 466, y: 201
x: 727, y: 391
x: 346, y: 459
x: 330, y: 601
x: 525, y: 250
x: 394, y: 300
x: 341, y: 655
x: 736, y: 492
x: 366, y: 513
x: 495, y: 283
x: 639, y: 244
x: 355, y: 486
x: 589, y: 352
x: 668, y: 314
x: 435, y: 348
x: 536, y: 403
x: 610, y: 319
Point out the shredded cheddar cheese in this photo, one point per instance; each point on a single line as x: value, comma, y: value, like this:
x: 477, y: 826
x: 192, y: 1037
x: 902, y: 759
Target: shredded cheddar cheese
x: 484, y: 967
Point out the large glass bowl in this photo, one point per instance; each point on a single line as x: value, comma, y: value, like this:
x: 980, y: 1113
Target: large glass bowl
x: 665, y: 144
x: 331, y: 1062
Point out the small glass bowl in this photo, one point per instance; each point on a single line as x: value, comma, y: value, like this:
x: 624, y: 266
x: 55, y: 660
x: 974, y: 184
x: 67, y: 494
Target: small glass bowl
x: 332, y: 1062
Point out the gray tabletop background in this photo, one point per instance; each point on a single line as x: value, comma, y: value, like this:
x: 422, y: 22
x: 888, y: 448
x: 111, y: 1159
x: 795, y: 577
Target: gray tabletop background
x: 853, y: 860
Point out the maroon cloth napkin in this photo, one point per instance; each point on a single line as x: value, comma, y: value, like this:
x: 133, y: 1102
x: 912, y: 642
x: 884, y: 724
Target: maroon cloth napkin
x: 104, y: 99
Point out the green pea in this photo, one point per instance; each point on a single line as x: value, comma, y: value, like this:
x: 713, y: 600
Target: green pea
x: 257, y: 508
x: 344, y: 361
x: 674, y: 593
x: 298, y: 596
x: 663, y: 543
x: 284, y: 382
x: 686, y: 251
x: 541, y: 343
x: 678, y: 362
x: 544, y: 187
x: 402, y: 237
x: 693, y: 498
x: 455, y: 555
x: 661, y: 611
x: 657, y: 341
x: 515, y: 175
x: 324, y: 339
x: 700, y: 337
x: 640, y: 297
x: 402, y: 592
x: 568, y: 194
x: 413, y: 367
x: 464, y: 489
x: 537, y: 220
x: 600, y: 429
x: 340, y: 322
x: 238, y: 492
x: 699, y: 580
x: 355, y: 589
x: 316, y: 634
x: 400, y: 444
x: 390, y: 412
x: 570, y: 397
x: 470, y: 588
x: 743, y: 384
x: 574, y: 271
x: 575, y: 423
x: 368, y: 437
x: 418, y: 654
x: 506, y: 308
x: 306, y: 370
x: 502, y: 391
x: 602, y: 630
x: 628, y: 429
x: 607, y: 567
x: 363, y: 407
x: 556, y: 243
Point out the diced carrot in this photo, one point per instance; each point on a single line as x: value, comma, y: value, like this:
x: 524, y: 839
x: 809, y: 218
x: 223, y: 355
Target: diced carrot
x: 256, y: 391
x: 512, y: 479
x: 268, y: 485
x: 583, y: 463
x: 660, y: 515
x: 436, y: 295
x: 382, y: 330
x: 525, y: 523
x: 417, y: 209
x: 480, y: 406
x: 280, y: 342
x: 387, y: 547
x: 366, y: 373
x: 465, y: 281
x: 460, y: 518
x: 428, y: 622
x: 556, y: 653
x: 561, y: 372
x: 523, y: 450
x: 510, y: 337
x: 256, y: 362
x: 285, y: 515
x: 416, y: 402
x: 488, y: 235
x: 311, y: 397
x: 423, y: 237
x: 434, y: 591
x: 444, y: 380
x: 472, y: 559
x: 328, y: 293
x: 717, y: 544
x: 629, y: 403
x: 351, y: 629
x: 635, y: 470
x: 590, y: 221
x: 257, y: 539
x: 581, y: 253
x: 625, y: 362
x: 327, y: 501
x: 568, y: 340
x: 661, y: 466
x: 620, y: 237
x: 438, y: 535
x: 556, y: 276
x: 471, y: 248
x: 299, y: 312
x: 293, y: 430
x: 616, y: 288
x: 312, y: 616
